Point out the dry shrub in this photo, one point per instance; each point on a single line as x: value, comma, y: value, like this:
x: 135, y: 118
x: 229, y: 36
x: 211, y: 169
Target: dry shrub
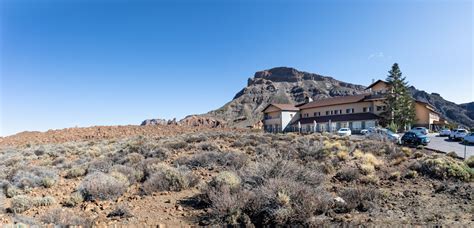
x: 74, y: 199
x: 76, y: 172
x: 101, y: 186
x: 232, y: 160
x: 133, y: 175
x: 257, y: 173
x: 359, y: 198
x: 65, y: 217
x: 470, y: 162
x: 342, y: 155
x: 446, y: 167
x: 166, y: 178
x: 176, y: 144
x: 102, y: 165
x: 347, y: 174
x: 34, y: 177
x: 120, y: 211
x: 21, y: 203
x: 369, y: 158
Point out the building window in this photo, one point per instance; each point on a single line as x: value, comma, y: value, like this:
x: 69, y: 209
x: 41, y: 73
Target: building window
x: 327, y: 113
x: 340, y: 111
x: 364, y: 109
x: 306, y: 115
x: 301, y: 115
x: 332, y: 112
x: 370, y: 109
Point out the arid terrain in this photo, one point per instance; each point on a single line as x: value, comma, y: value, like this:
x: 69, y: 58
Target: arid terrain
x: 180, y: 176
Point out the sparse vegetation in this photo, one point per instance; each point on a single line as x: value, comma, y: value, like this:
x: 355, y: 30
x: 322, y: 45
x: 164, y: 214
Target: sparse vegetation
x: 248, y: 178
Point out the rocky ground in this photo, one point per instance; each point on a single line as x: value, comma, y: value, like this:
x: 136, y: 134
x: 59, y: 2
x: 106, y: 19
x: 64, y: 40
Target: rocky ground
x: 183, y: 177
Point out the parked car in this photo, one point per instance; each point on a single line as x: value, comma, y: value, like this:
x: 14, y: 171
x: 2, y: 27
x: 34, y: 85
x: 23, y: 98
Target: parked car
x: 458, y: 134
x: 414, y: 138
x: 367, y: 131
x: 445, y: 132
x: 421, y: 130
x: 384, y: 133
x: 344, y: 132
x: 469, y: 138
x: 392, y: 135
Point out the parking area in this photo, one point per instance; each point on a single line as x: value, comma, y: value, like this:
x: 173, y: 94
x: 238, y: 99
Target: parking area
x: 441, y: 144
x: 445, y: 145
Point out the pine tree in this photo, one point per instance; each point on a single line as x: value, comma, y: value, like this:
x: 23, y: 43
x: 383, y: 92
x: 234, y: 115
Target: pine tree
x: 400, y: 106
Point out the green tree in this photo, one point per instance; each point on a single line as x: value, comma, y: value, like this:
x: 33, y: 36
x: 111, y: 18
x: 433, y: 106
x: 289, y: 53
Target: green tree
x: 400, y: 109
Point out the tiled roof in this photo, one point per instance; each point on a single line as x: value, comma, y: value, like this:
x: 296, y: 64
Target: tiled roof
x: 339, y: 118
x: 334, y: 101
x: 283, y: 107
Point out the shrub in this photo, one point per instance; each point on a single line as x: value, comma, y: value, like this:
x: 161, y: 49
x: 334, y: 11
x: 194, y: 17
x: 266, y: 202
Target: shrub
x: 369, y: 158
x: 452, y: 154
x: 359, y: 198
x: 120, y: 211
x: 257, y: 173
x: 74, y: 199
x: 347, y: 174
x: 166, y: 178
x: 367, y: 168
x: 101, y: 186
x: 21, y: 203
x: 34, y: 177
x: 395, y: 175
x: 226, y: 178
x: 208, y: 146
x: 470, y: 162
x: 411, y: 174
x: 43, y: 201
x: 133, y: 175
x: 132, y: 159
x: 446, y: 167
x: 3, y: 203
x: 212, y: 159
x: 358, y: 153
x: 342, y: 155
x: 12, y: 191
x: 176, y: 144
x: 99, y: 166
x: 63, y: 217
x: 76, y: 172
x: 276, y: 202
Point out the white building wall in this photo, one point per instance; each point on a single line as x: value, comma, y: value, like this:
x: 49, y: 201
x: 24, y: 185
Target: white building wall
x: 287, y: 117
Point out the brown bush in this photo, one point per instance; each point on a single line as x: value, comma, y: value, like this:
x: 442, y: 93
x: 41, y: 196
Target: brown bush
x: 166, y: 178
x: 101, y: 186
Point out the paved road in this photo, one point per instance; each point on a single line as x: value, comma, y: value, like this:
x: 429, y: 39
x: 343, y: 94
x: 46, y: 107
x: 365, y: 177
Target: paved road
x: 445, y: 145
x: 442, y: 144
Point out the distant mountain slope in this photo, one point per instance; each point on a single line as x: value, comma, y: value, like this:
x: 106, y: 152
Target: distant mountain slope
x: 288, y: 85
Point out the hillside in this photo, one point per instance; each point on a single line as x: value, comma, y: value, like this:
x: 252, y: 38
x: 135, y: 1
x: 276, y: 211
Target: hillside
x: 288, y: 85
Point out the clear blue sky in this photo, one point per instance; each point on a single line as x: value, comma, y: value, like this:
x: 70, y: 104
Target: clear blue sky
x: 82, y: 63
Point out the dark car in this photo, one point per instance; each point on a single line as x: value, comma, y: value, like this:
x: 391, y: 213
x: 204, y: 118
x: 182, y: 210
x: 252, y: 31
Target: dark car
x: 415, y: 139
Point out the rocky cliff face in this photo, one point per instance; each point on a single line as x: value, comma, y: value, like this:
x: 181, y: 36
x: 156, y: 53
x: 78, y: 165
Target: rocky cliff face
x: 288, y: 85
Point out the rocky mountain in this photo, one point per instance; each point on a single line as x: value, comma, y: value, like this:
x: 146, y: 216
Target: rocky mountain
x: 288, y: 85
